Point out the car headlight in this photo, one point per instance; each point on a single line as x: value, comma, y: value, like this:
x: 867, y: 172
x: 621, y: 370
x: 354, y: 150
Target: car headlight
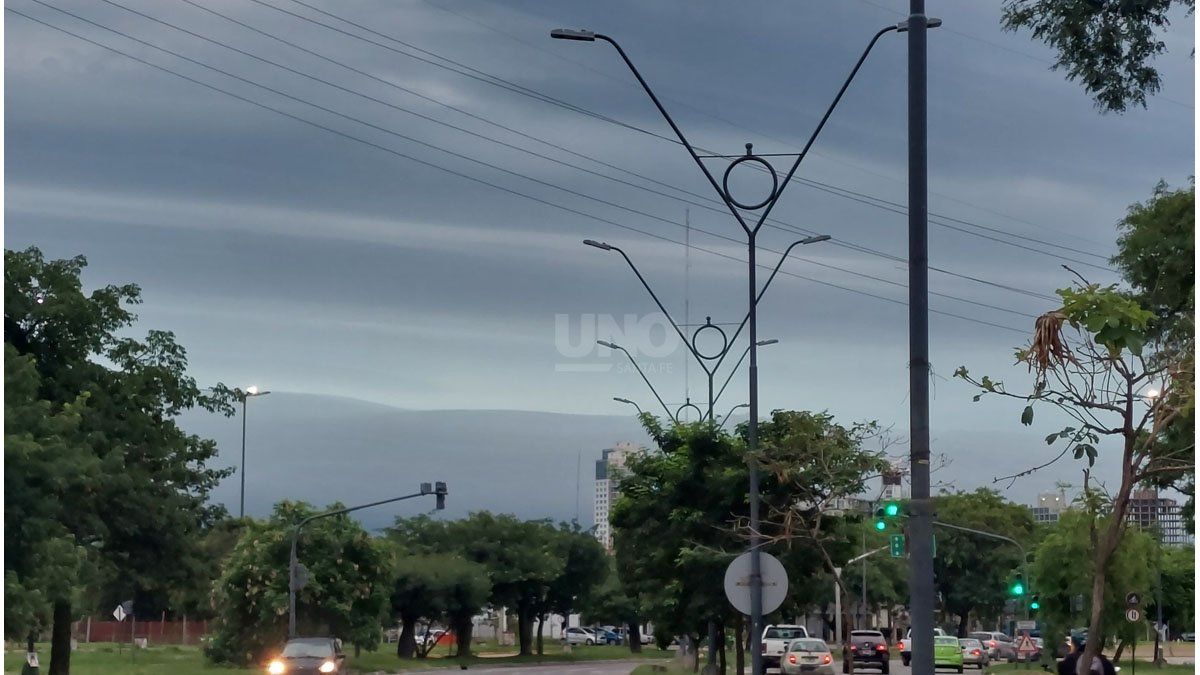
x: 276, y: 667
x: 327, y: 667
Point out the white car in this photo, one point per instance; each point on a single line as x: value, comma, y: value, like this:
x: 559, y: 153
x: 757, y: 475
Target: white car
x: 579, y: 636
x: 775, y: 641
x: 807, y: 655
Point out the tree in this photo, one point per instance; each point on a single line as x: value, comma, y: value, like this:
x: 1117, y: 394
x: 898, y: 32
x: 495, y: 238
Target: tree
x: 146, y: 497
x: 436, y: 587
x: 1100, y: 374
x: 519, y: 556
x: 1108, y: 45
x: 972, y: 574
x: 818, y: 464
x: 349, y: 573
x: 1156, y: 256
x: 584, y: 566
x: 1177, y: 564
x: 1063, y: 568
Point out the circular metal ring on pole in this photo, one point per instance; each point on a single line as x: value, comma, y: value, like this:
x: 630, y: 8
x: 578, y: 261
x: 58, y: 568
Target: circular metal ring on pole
x: 708, y: 324
x: 770, y: 169
x: 689, y: 404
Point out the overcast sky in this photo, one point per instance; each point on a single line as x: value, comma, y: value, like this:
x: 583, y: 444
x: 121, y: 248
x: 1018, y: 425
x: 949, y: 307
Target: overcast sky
x: 305, y: 261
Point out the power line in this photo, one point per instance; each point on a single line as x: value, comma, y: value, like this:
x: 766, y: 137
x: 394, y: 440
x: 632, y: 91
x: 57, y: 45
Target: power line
x: 844, y: 244
x: 456, y: 154
x: 482, y: 76
x: 735, y: 125
x: 475, y: 179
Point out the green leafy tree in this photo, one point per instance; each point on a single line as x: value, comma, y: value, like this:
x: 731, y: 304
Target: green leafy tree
x: 1156, y: 256
x: 971, y: 573
x: 585, y: 564
x: 1107, y: 45
x: 1064, y: 568
x: 436, y: 587
x: 817, y: 464
x: 140, y: 494
x: 349, y: 575
x: 1095, y: 359
x: 1178, y: 568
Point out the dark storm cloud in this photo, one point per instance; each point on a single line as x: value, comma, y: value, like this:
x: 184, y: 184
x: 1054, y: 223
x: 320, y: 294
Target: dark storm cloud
x: 286, y: 255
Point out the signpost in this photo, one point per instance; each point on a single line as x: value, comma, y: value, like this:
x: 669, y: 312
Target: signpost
x: 773, y: 579
x: 1025, y: 647
x: 1026, y: 625
x: 1133, y: 615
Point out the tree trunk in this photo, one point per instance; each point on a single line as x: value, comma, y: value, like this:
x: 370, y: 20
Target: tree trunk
x: 525, y: 630
x: 60, y: 639
x: 635, y: 635
x: 541, y: 630
x: 963, y: 620
x: 463, y: 631
x: 721, y: 648
x: 1120, y: 650
x: 739, y: 650
x: 406, y: 645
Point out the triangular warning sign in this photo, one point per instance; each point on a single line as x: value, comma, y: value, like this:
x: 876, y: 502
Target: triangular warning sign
x: 1025, y: 645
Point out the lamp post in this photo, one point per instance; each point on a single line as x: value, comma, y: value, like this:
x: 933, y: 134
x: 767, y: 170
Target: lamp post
x: 243, y: 396
x: 618, y: 399
x: 613, y: 345
x: 298, y: 576
x: 731, y: 411
x: 751, y: 225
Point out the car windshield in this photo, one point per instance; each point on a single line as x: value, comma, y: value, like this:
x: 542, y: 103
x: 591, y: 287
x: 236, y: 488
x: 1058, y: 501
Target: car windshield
x: 941, y: 640
x: 867, y: 634
x: 308, y: 650
x: 970, y: 643
x: 783, y: 633
x: 809, y: 645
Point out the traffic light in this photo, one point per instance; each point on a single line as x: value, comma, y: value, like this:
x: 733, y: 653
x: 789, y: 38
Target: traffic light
x: 1018, y: 587
x: 1034, y: 604
x: 883, y: 513
x: 439, y: 489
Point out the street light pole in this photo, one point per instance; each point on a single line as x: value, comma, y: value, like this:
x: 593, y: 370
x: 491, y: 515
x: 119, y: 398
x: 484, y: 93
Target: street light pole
x: 921, y: 550
x: 294, y: 576
x: 244, y: 396
x: 741, y: 213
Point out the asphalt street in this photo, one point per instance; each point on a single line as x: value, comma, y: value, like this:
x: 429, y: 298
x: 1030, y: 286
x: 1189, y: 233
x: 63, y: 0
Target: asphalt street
x: 581, y: 668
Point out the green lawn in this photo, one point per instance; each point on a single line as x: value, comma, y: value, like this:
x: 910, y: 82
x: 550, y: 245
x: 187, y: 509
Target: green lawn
x: 1146, y: 667
x: 105, y: 659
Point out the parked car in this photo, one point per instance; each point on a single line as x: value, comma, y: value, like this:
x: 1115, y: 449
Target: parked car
x: 974, y: 653
x: 578, y: 636
x: 607, y: 636
x: 1187, y: 637
x: 775, y: 641
x: 906, y: 644
x: 807, y: 656
x: 947, y: 653
x: 309, y: 656
x: 869, y: 648
x: 1000, y: 646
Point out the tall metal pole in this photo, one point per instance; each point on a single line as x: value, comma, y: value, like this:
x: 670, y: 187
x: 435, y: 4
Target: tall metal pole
x: 756, y: 626
x: 921, y: 560
x: 242, y: 469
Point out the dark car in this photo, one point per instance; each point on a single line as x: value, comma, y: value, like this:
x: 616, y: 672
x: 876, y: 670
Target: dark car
x: 309, y: 656
x: 869, y: 648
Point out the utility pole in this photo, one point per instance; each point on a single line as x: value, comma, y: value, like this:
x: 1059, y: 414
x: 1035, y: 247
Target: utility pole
x: 921, y: 561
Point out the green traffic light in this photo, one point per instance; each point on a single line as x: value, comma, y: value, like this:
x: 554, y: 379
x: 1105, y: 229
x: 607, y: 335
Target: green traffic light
x: 1035, y: 605
x: 880, y: 525
x: 892, y: 509
x: 1018, y: 588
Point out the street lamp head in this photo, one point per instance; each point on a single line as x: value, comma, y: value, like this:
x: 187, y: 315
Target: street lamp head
x: 931, y: 22
x: 764, y: 343
x: 1153, y: 394
x: 618, y: 399
x: 252, y: 390
x: 571, y: 34
x: 606, y: 343
x: 818, y: 238
x: 597, y: 244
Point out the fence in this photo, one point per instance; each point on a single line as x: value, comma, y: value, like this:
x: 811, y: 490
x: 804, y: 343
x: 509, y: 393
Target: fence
x: 155, y: 632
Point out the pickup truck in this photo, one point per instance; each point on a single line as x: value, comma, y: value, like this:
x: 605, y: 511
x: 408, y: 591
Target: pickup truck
x: 775, y: 641
x: 906, y: 645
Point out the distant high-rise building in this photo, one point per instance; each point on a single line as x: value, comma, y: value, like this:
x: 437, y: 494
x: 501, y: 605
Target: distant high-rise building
x: 611, y: 461
x: 1161, y: 516
x: 1049, y: 506
x: 893, y: 484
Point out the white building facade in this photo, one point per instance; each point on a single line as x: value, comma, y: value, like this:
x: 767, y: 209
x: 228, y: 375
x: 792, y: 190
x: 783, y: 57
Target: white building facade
x: 611, y: 462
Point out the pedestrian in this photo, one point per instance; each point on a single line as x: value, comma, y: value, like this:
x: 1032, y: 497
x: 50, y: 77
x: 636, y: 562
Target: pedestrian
x: 1069, y: 665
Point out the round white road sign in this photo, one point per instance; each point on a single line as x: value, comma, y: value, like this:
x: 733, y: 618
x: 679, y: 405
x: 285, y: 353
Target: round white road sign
x: 1133, y: 615
x: 774, y: 583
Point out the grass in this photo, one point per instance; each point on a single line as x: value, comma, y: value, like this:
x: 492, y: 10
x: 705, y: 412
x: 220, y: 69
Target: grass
x: 1126, y: 666
x: 106, y: 659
